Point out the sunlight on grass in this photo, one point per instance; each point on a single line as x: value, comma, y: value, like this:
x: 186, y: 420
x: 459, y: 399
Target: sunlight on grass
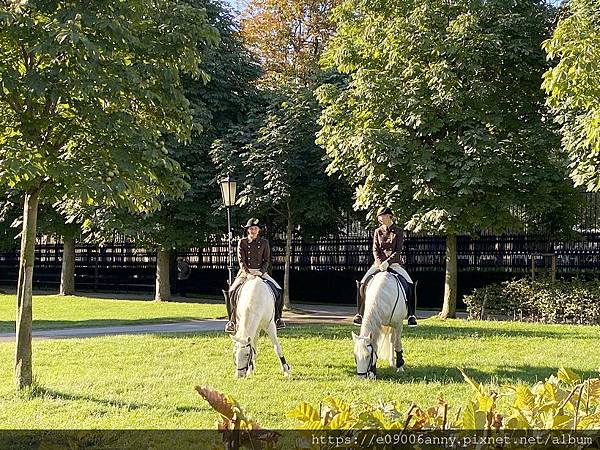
x: 147, y: 381
x: 54, y: 311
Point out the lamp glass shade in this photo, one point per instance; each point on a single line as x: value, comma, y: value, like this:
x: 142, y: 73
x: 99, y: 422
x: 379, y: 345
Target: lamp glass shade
x: 228, y: 191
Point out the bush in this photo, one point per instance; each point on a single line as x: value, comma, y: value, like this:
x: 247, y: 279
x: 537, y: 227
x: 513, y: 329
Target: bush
x: 540, y: 300
x: 565, y: 401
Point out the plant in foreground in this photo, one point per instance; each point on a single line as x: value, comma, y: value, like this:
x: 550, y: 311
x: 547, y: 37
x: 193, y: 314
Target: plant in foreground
x: 564, y: 401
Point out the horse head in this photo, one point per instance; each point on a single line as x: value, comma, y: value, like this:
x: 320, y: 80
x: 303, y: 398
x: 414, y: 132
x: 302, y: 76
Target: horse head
x: 365, y: 356
x: 243, y: 356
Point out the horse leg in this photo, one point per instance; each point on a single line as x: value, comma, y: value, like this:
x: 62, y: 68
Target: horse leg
x: 398, y: 349
x: 285, y: 367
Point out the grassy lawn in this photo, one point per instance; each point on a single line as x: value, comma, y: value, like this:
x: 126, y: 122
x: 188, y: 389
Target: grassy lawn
x: 54, y: 311
x: 147, y: 381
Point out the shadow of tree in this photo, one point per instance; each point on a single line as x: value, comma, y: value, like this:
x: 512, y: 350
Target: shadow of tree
x: 44, y: 392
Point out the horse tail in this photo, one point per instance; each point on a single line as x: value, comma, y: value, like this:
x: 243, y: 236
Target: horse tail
x: 385, y: 345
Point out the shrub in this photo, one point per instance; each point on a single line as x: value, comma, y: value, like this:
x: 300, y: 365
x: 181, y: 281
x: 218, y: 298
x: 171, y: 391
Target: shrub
x: 564, y: 401
x: 539, y: 300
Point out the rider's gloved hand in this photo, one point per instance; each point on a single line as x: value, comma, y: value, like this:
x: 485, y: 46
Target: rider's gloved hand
x: 384, y: 266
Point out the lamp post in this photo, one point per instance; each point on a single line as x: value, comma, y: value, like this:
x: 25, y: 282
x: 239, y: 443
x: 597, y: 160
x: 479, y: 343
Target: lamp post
x: 228, y: 191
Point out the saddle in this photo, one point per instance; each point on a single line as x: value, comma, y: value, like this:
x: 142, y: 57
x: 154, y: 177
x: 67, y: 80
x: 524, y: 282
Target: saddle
x: 235, y: 295
x: 406, y: 286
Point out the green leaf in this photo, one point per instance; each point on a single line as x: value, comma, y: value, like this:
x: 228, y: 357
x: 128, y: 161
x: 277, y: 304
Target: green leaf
x: 567, y: 376
x: 304, y: 412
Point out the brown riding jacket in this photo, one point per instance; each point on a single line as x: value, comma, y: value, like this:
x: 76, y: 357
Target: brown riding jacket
x: 387, y: 244
x: 254, y: 255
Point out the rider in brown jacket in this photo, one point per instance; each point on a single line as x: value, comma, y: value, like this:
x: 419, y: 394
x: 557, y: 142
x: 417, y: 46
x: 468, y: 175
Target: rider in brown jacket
x: 388, y: 240
x: 254, y: 256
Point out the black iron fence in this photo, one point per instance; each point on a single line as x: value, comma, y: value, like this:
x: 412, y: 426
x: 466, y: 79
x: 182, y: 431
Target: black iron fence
x: 510, y: 253
x: 322, y: 270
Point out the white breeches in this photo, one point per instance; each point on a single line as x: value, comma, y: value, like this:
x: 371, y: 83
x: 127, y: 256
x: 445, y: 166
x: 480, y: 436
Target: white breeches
x: 397, y: 267
x: 242, y: 275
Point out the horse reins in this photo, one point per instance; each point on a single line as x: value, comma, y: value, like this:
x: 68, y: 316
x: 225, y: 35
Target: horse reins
x: 250, y: 363
x: 371, y: 367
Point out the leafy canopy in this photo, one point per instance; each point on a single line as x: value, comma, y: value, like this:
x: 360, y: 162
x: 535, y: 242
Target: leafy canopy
x: 441, y: 115
x: 282, y: 169
x: 573, y: 87
x: 87, y: 92
x: 217, y: 105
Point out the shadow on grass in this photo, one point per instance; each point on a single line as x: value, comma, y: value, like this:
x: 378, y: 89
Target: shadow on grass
x: 8, y: 326
x: 463, y: 329
x: 449, y: 375
x: 44, y: 392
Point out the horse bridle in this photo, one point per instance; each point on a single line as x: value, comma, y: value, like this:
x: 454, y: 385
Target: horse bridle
x: 250, y: 362
x: 371, y: 368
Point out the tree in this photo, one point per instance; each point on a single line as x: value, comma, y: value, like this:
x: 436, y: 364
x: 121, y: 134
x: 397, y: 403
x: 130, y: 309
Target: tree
x: 284, y: 170
x: 288, y: 35
x: 88, y: 90
x: 441, y: 115
x: 572, y: 87
x: 52, y: 223
x: 218, y: 105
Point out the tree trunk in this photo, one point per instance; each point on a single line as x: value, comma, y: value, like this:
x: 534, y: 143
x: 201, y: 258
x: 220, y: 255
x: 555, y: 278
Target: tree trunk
x: 67, y: 274
x: 163, y: 283
x: 288, y: 258
x: 449, y: 308
x: 23, y: 366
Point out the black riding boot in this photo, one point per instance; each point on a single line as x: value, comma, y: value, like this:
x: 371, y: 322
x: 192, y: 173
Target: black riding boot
x: 412, y: 306
x: 230, y: 326
x: 279, y: 323
x: 360, y: 304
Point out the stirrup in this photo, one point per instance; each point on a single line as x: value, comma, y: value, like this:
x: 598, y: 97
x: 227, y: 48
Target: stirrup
x: 280, y: 324
x: 230, y: 327
x: 357, y: 320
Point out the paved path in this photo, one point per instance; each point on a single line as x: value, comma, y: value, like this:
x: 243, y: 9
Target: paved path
x: 302, y: 314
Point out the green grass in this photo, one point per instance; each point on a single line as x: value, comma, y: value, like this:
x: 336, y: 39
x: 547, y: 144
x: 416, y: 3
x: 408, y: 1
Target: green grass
x: 54, y: 311
x: 147, y: 381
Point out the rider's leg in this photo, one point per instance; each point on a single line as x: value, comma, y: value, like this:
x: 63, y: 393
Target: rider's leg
x: 279, y: 323
x: 412, y: 306
x: 266, y: 276
x: 231, y: 299
x: 360, y: 295
x: 411, y: 299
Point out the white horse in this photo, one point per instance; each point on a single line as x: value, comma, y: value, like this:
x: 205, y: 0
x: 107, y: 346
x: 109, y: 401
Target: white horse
x: 385, y: 310
x: 255, y: 311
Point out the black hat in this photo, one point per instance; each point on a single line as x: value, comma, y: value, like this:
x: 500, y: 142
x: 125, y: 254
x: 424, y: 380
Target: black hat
x: 252, y: 222
x: 384, y: 210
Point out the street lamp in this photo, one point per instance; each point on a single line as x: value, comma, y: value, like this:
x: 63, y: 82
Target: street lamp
x: 228, y: 190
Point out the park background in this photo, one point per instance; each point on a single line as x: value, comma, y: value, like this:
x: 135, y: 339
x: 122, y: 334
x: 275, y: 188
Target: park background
x: 477, y: 122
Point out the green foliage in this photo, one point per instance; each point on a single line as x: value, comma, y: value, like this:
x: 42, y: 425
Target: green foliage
x: 9, y: 213
x: 87, y: 91
x: 217, y: 105
x: 282, y: 169
x: 574, y: 301
x: 441, y: 115
x: 572, y: 87
x: 561, y: 402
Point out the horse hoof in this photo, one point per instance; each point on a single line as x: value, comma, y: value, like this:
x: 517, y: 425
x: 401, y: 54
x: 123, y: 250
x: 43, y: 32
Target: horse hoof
x: 400, y: 369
